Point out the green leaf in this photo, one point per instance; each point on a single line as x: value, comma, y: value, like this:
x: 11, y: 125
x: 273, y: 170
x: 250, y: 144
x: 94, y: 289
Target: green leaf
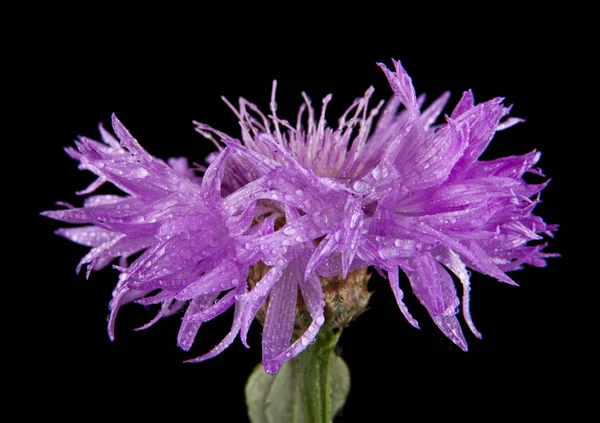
x: 340, y: 384
x: 311, y: 388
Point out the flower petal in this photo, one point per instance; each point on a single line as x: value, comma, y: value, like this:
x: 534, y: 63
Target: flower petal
x: 254, y: 299
x: 434, y: 288
x: 231, y: 335
x: 281, y: 313
x: 399, y: 295
x: 189, y: 329
x: 453, y: 262
x: 313, y: 297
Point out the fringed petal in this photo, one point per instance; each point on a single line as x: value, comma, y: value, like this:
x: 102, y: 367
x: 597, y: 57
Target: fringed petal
x: 281, y: 313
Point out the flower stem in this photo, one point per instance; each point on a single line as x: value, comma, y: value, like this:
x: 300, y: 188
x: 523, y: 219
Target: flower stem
x: 311, y: 388
x: 313, y: 369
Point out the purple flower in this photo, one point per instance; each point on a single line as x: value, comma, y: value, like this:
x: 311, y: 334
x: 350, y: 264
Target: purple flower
x: 287, y: 209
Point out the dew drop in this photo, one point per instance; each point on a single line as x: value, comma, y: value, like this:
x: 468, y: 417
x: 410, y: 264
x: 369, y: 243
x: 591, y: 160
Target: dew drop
x: 139, y: 172
x: 379, y: 173
x: 338, y: 235
x: 320, y: 320
x: 359, y: 186
x: 289, y: 230
x: 299, y: 192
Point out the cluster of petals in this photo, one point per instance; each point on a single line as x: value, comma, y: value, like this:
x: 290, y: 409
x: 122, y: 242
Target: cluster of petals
x: 390, y: 188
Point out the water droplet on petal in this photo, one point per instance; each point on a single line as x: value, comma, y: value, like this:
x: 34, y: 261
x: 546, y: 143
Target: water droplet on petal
x: 354, y: 221
x: 338, y: 235
x: 139, y: 172
x: 289, y: 230
x: 379, y: 173
x: 359, y: 186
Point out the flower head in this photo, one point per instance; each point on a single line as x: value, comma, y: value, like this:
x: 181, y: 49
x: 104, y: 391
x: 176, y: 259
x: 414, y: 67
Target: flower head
x: 287, y: 215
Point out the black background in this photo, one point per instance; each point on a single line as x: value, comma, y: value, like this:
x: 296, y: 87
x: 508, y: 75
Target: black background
x: 157, y: 80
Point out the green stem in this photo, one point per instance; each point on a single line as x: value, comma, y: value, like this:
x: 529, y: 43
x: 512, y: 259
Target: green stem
x: 311, y: 388
x: 313, y: 368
